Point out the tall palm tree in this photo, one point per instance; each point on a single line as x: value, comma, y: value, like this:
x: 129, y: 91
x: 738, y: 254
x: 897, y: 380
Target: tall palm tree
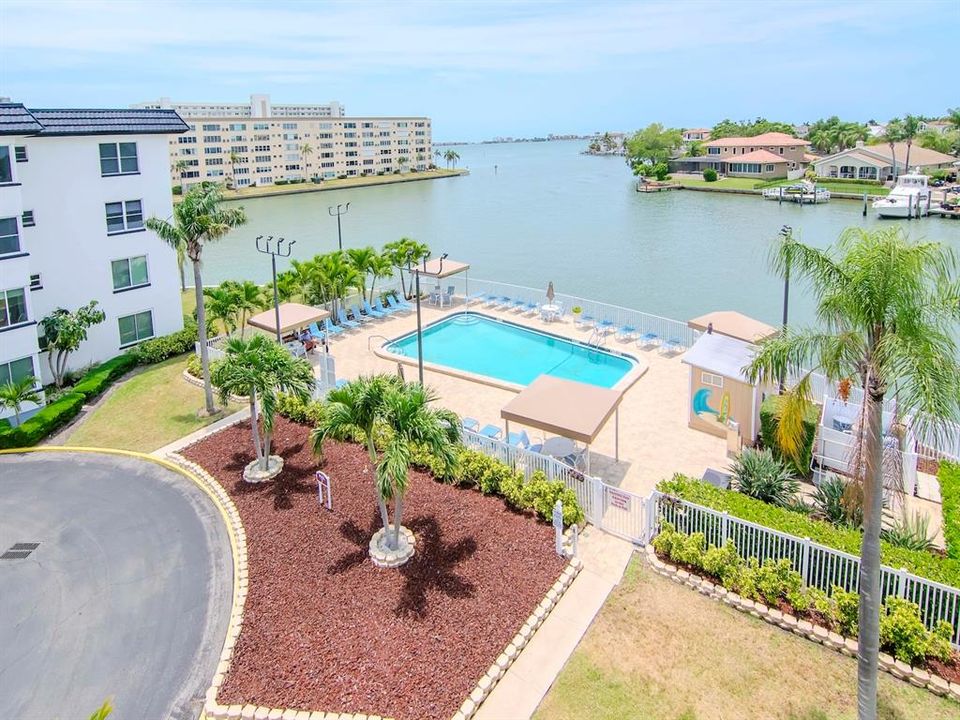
x: 438, y: 154
x: 405, y: 410
x: 234, y: 159
x: 198, y: 220
x: 403, y: 253
x: 892, y: 135
x: 886, y: 307
x: 259, y: 368
x: 380, y: 268
x: 17, y: 392
x: 306, y: 150
x: 361, y: 259
x: 180, y: 167
x: 304, y: 273
x: 287, y: 287
x: 911, y: 128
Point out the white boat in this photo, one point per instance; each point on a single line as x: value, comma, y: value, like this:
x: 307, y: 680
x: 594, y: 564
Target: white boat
x: 910, y: 198
x: 805, y: 193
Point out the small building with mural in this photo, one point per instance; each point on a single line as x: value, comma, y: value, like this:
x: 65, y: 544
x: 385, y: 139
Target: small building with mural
x: 721, y: 394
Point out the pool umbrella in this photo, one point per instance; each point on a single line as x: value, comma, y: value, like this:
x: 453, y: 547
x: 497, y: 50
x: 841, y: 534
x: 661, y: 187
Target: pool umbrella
x: 550, y: 291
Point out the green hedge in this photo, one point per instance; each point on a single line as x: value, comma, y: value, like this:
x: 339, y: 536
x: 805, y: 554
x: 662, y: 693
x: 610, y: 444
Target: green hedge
x: 166, y: 346
x: 768, y: 433
x: 101, y: 376
x: 50, y: 418
x: 922, y: 563
x: 949, y: 477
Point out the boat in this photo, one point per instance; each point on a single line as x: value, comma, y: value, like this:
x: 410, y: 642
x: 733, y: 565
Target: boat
x: 805, y: 193
x: 909, y: 198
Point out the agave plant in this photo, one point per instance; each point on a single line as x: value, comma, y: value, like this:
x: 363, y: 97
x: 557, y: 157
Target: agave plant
x: 760, y: 475
x: 831, y: 503
x: 910, y: 532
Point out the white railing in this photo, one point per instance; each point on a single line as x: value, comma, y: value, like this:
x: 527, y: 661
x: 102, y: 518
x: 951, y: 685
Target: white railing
x: 214, y: 347
x: 818, y: 565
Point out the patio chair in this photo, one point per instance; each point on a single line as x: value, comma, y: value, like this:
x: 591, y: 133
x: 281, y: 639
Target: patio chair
x: 522, y: 440
x: 649, y: 339
x: 491, y: 300
x: 469, y: 423
x: 491, y: 431
x: 587, y: 321
x: 371, y: 311
x: 605, y: 326
x: 518, y: 304
x: 316, y: 332
x: 344, y: 321
x: 673, y: 346
x: 504, y: 302
x: 447, y: 297
x: 380, y: 307
x: 359, y: 316
x: 531, y: 308
x: 476, y: 297
x: 331, y: 328
x: 398, y: 305
x: 577, y: 459
x: 627, y: 332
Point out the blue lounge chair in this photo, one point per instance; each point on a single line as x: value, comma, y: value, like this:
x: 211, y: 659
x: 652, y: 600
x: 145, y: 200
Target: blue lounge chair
x: 671, y: 347
x: 470, y: 424
x: 379, y: 306
x: 530, y: 308
x: 344, y: 321
x: 357, y: 315
x: 522, y: 440
x: 397, y: 304
x: 626, y: 332
x: 518, y: 304
x: 331, y: 328
x: 491, y: 431
x: 371, y: 311
x: 476, y: 297
x: 316, y: 332
x: 648, y: 340
x: 587, y: 321
x: 605, y: 326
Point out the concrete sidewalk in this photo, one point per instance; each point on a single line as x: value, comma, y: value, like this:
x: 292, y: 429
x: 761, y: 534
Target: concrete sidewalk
x: 197, y: 435
x: 520, y: 690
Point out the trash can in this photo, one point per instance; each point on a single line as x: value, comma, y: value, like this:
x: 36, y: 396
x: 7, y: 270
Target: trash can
x: 733, y: 438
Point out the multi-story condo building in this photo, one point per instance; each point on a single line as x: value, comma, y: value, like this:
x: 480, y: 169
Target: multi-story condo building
x: 263, y: 143
x: 75, y: 189
x: 258, y: 107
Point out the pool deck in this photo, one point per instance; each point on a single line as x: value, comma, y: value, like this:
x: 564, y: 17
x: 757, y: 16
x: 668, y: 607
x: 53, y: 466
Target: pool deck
x: 655, y: 441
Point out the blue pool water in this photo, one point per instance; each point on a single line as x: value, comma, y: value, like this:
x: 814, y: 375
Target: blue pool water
x: 504, y: 351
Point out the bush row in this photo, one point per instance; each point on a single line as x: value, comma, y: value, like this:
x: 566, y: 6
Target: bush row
x: 768, y: 433
x: 918, y: 562
x: 101, y: 376
x: 45, y: 421
x: 902, y: 632
x: 949, y: 477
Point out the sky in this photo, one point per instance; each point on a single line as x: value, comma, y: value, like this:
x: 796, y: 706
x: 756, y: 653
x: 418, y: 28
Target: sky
x: 485, y: 69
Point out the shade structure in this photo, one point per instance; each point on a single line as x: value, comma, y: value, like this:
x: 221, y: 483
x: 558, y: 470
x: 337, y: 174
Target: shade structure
x: 432, y: 268
x: 565, y: 407
x: 733, y: 324
x: 292, y: 317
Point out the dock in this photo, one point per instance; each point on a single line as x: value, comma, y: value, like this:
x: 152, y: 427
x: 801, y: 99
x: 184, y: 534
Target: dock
x: 651, y: 187
x: 944, y: 213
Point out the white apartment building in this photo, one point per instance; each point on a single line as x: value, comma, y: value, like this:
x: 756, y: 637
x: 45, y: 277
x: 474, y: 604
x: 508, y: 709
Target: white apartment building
x: 75, y: 189
x: 261, y: 144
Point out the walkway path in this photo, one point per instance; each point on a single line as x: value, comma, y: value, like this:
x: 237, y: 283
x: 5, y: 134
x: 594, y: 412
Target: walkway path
x: 520, y: 691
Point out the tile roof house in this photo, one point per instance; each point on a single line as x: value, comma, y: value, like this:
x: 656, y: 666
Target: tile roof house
x: 765, y: 157
x: 876, y: 162
x: 15, y: 119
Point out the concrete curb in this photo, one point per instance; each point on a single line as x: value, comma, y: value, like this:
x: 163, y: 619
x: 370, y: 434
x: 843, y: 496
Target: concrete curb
x: 917, y: 677
x: 197, y: 382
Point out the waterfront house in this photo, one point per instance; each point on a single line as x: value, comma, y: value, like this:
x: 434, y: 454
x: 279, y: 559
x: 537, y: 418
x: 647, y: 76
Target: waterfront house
x: 766, y: 156
x: 875, y: 162
x: 696, y: 135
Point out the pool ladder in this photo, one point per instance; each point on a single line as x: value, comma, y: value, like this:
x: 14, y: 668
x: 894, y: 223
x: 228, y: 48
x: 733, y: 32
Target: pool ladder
x: 597, y: 339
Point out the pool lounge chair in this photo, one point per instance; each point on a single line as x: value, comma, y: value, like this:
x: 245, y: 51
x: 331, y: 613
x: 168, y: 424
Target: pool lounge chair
x: 518, y: 304
x: 316, y: 332
x: 587, y: 321
x: 371, y: 311
x: 344, y: 321
x: 673, y: 346
x: 380, y: 307
x: 491, y: 431
x: 522, y: 440
x: 331, y: 328
x: 649, y: 339
x: 504, y: 302
x: 605, y: 326
x: 470, y: 423
x: 357, y: 315
x: 398, y: 305
x: 627, y: 332
x: 479, y: 297
x: 530, y: 308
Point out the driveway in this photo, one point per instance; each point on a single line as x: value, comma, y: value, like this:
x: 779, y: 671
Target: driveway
x: 126, y: 596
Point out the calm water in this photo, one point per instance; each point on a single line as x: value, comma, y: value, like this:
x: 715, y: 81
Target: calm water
x: 533, y: 212
x: 507, y: 352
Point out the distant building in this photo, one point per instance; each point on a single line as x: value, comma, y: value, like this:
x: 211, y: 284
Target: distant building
x: 75, y: 189
x: 261, y: 143
x: 876, y: 162
x: 765, y: 157
x: 696, y: 135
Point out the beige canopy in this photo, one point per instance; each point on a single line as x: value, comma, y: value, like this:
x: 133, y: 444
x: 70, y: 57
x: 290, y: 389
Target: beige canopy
x: 733, y: 324
x: 564, y: 407
x: 293, y: 316
x: 450, y: 267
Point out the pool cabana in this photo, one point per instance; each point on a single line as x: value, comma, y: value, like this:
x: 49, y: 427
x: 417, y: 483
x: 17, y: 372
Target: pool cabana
x: 293, y: 316
x: 441, y: 268
x: 570, y: 409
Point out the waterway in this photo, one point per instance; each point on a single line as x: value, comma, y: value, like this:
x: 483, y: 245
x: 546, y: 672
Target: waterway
x: 529, y: 213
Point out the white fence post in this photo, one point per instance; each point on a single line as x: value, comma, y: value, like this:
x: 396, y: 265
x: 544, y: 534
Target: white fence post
x: 598, y: 503
x: 724, y: 528
x: 805, y: 561
x: 902, y: 582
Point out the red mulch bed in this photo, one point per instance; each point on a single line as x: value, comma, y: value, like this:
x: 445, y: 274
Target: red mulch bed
x: 324, y: 629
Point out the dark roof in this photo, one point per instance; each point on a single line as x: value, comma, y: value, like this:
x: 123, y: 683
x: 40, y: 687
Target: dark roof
x: 15, y: 119
x: 109, y: 122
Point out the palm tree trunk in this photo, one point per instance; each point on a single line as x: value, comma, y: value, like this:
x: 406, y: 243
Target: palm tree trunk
x: 373, y: 282
x: 372, y: 450
x: 869, y: 620
x: 255, y: 425
x: 267, y: 443
x: 183, y: 278
x: 202, y: 337
x: 907, y: 161
x: 403, y: 283
x: 397, y: 517
x: 893, y: 159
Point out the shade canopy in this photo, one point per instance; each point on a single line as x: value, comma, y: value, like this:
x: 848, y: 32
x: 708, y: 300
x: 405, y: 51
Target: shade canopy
x: 293, y: 316
x: 721, y: 355
x: 733, y: 324
x: 432, y: 268
x: 563, y: 407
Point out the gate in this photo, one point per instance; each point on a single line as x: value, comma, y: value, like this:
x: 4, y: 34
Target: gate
x: 622, y: 513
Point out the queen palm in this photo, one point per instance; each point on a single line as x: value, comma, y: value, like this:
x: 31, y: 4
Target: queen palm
x: 221, y: 305
x: 404, y: 252
x: 380, y: 268
x: 886, y: 308
x: 911, y: 128
x: 361, y: 260
x: 198, y: 220
x: 405, y: 411
x: 306, y: 150
x: 234, y: 158
x: 249, y: 299
x: 892, y: 135
x: 17, y: 392
x: 259, y: 368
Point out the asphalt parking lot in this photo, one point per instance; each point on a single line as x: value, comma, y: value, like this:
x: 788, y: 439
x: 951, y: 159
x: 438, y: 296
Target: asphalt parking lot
x: 115, y: 581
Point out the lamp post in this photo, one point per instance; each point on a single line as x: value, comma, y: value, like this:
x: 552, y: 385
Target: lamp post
x: 278, y: 249
x: 419, y: 322
x: 786, y: 236
x: 345, y: 209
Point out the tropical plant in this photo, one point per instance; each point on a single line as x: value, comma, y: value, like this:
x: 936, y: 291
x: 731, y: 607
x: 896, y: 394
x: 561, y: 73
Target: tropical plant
x: 830, y: 503
x: 653, y: 144
x: 893, y: 134
x: 694, y: 149
x: 197, y: 220
x: 103, y: 711
x: 710, y: 175
x: 233, y: 159
x: 404, y: 253
x: 887, y: 308
x: 451, y: 156
x: 259, y: 368
x: 910, y: 531
x: 380, y: 268
x: 221, y: 305
x: 334, y: 277
x: 831, y: 135
x: 287, y: 287
x: 953, y: 117
x: 361, y: 259
x: 17, y: 392
x: 760, y: 475
x: 63, y: 332
x: 306, y: 150
x: 404, y: 410
x: 249, y: 299
x: 911, y: 128
x: 749, y: 128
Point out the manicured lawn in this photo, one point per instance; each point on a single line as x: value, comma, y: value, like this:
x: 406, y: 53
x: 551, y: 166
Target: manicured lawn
x: 730, y: 182
x: 661, y: 650
x: 841, y: 187
x: 749, y: 183
x: 147, y: 411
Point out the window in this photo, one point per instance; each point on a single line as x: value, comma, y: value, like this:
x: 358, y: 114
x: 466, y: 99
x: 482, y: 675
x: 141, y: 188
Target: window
x: 187, y: 139
x: 711, y: 379
x: 238, y: 126
x: 266, y: 180
x: 214, y: 161
x: 768, y: 168
x: 781, y: 151
x: 292, y: 167
x: 6, y: 171
x: 211, y: 128
x: 9, y: 236
x: 16, y: 370
x: 261, y: 126
x: 26, y: 219
x: 130, y: 273
x: 746, y: 168
x: 123, y: 216
x: 188, y: 151
x: 20, y: 153
x: 36, y: 282
x: 13, y: 307
x: 239, y: 149
x: 213, y: 150
x: 290, y: 126
x: 212, y: 138
x: 118, y: 158
x: 135, y: 328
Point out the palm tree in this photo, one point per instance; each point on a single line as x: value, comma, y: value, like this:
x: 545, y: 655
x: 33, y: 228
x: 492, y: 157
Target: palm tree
x: 287, y: 287
x: 17, y: 392
x: 303, y: 274
x: 404, y: 409
x: 438, y: 154
x: 249, y: 298
x: 892, y: 135
x: 380, y: 268
x: 222, y: 305
x: 451, y: 156
x: 887, y: 307
x: 234, y: 159
x: 197, y: 220
x: 953, y: 117
x: 361, y: 259
x: 402, y: 160
x: 305, y: 152
x: 911, y: 128
x: 403, y: 253
x: 335, y: 276
x: 259, y: 368
x: 180, y: 167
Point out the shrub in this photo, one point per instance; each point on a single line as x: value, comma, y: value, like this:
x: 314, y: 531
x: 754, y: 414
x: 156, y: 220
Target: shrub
x: 760, y: 475
x: 902, y: 631
x: 949, y: 477
x: 99, y: 378
x: 292, y: 408
x: 721, y: 562
x: 661, y: 171
x: 768, y: 433
x: 848, y: 540
x: 43, y: 423
x: 829, y: 505
x: 910, y: 532
x: 775, y: 579
x: 848, y: 609
x: 710, y: 175
x: 166, y: 346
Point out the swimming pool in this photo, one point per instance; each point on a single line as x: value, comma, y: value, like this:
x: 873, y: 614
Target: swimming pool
x: 511, y: 353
